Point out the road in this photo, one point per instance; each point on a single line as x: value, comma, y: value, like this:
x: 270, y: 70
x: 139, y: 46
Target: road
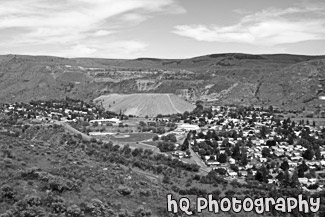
x: 194, y: 156
x: 73, y: 130
x: 204, y: 169
x: 174, y: 107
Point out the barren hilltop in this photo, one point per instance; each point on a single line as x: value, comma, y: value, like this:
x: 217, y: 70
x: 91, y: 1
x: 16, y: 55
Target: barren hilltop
x: 291, y: 81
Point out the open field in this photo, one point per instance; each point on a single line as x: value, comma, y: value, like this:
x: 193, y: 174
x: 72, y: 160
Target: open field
x: 145, y: 104
x: 132, y: 137
x: 152, y: 143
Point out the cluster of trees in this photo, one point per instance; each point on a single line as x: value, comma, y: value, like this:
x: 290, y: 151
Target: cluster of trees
x: 143, y: 127
x: 142, y: 158
x: 54, y: 205
x: 168, y: 143
x: 166, y: 146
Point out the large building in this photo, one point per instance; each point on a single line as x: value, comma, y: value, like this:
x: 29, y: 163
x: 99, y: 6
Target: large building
x: 188, y: 127
x: 105, y: 121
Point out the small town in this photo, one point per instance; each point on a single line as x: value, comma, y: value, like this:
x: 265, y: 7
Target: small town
x: 239, y: 143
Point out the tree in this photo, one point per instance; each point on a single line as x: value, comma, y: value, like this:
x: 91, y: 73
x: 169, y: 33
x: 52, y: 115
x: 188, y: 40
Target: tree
x: 155, y: 137
x: 294, y: 180
x: 308, y: 154
x: 188, y: 153
x: 262, y: 174
x: 301, y: 172
x: 142, y: 124
x: 303, y: 166
x: 185, y: 145
x: 271, y: 143
x: 166, y: 179
x: 244, y: 160
x: 236, y: 152
x: 263, y: 131
x: 266, y: 152
x: 304, y: 143
x: 222, y: 158
x: 285, y: 165
x: 286, y: 179
x: 318, y: 155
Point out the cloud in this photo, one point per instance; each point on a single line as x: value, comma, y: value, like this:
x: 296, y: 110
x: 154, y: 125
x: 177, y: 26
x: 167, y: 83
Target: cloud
x: 117, y: 49
x: 103, y: 32
x: 266, y: 28
x: 75, y: 23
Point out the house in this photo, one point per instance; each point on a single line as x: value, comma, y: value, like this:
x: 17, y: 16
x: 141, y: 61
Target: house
x: 272, y: 181
x: 297, y: 159
x: 303, y: 181
x: 179, y: 154
x: 243, y: 173
x: 232, y: 174
x: 231, y: 161
x: 213, y: 163
x: 293, y: 164
x: 263, y: 160
x: 312, y: 181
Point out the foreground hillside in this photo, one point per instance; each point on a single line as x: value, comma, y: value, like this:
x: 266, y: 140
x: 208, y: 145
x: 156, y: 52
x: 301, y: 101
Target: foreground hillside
x: 57, y: 174
x: 145, y: 104
x: 47, y: 172
x: 291, y: 81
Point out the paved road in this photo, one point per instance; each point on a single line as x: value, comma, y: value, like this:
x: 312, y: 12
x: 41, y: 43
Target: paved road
x: 203, y: 168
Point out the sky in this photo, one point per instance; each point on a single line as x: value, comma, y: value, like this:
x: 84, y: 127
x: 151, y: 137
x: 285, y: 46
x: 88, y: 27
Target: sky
x: 161, y: 28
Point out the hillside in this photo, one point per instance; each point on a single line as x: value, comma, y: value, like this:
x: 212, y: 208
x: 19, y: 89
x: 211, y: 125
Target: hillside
x: 47, y: 172
x: 291, y: 81
x: 143, y: 105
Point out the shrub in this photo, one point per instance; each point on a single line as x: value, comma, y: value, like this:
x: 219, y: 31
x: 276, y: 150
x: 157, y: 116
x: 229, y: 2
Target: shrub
x: 142, y: 212
x: 96, y: 208
x: 58, y: 205
x: 7, y: 193
x: 124, y: 190
x: 74, y: 211
x: 145, y: 192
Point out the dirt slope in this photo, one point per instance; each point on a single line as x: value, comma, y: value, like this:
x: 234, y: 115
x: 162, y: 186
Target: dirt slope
x: 145, y: 104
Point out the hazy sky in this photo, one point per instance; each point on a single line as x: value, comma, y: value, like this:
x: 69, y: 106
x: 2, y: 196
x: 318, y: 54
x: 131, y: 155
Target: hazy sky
x: 161, y: 28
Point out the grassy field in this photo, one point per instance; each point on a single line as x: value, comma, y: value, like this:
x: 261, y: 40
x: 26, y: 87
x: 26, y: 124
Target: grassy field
x: 152, y: 143
x: 132, y: 137
x: 145, y: 104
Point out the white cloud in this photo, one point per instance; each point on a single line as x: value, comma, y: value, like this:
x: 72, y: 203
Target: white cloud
x: 267, y: 28
x: 76, y: 23
x: 103, y: 32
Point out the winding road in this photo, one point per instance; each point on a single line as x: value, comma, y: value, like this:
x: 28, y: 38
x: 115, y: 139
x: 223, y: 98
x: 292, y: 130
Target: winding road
x: 203, y: 168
